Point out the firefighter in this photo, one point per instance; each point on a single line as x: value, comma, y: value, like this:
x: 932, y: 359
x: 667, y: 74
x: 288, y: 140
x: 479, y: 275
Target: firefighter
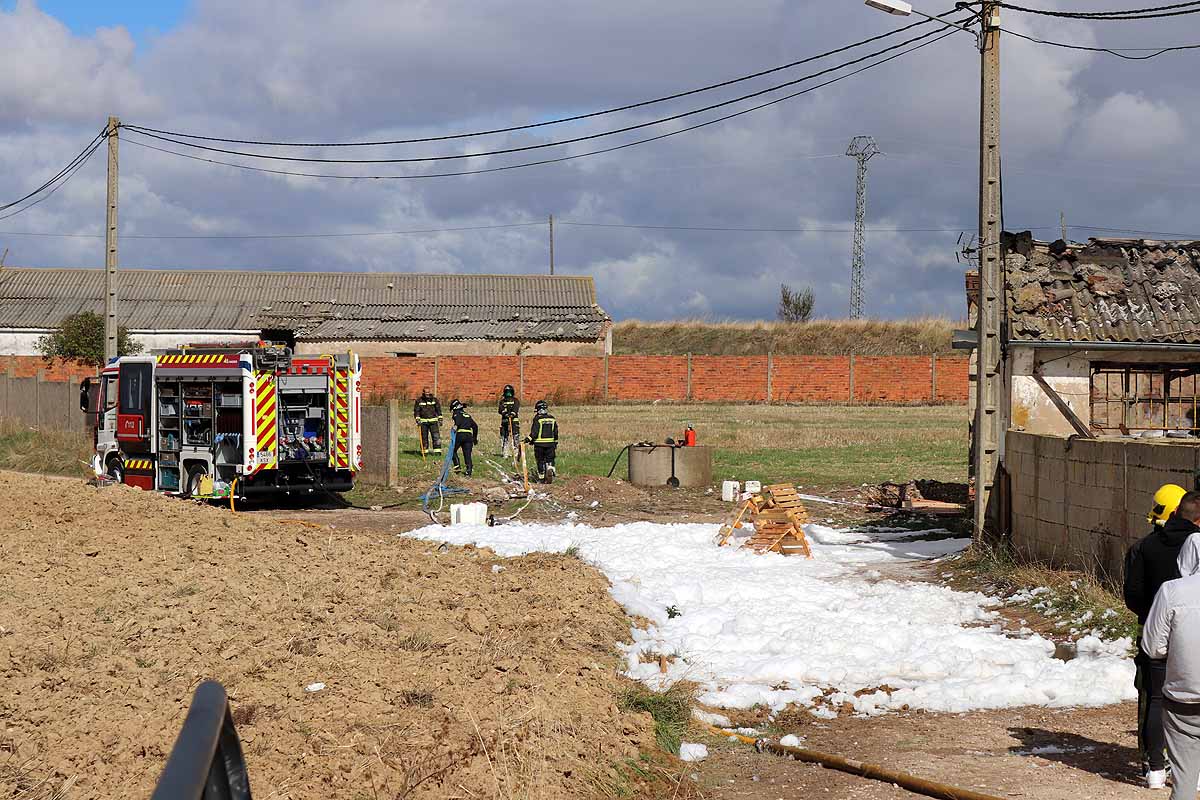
x: 543, y: 435
x: 465, y: 437
x: 510, y: 423
x: 427, y: 411
x: 1149, y: 564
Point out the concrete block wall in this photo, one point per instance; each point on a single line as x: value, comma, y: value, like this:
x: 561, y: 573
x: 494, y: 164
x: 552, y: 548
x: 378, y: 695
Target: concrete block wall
x: 1081, y: 503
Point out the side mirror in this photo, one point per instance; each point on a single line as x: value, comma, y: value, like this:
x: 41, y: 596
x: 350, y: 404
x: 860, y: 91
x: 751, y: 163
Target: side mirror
x: 89, y: 392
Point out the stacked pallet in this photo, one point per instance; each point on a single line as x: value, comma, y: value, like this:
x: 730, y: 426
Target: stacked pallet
x: 778, y: 517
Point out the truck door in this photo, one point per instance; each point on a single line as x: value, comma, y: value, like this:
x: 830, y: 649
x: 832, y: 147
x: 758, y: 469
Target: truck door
x: 135, y: 387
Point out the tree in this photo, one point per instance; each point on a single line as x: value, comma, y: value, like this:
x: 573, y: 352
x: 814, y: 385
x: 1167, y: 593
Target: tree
x: 795, y: 305
x: 80, y: 338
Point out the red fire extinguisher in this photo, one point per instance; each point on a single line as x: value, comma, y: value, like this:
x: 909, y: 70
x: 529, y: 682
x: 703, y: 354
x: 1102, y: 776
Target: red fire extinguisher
x: 689, y: 437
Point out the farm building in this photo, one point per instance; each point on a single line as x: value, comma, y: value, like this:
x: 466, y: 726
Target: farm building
x: 1107, y: 332
x: 374, y: 313
x: 1101, y: 356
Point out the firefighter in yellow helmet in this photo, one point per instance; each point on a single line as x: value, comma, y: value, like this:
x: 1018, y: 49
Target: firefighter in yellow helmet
x: 1149, y: 564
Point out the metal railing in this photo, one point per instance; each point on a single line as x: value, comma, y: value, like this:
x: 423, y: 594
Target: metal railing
x: 206, y: 762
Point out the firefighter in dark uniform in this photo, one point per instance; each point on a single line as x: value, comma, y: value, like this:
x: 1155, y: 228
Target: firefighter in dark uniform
x: 510, y: 423
x: 543, y: 435
x: 427, y: 411
x: 465, y: 436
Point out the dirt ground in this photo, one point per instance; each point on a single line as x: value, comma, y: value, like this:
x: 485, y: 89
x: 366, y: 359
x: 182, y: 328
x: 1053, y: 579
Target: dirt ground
x: 446, y: 672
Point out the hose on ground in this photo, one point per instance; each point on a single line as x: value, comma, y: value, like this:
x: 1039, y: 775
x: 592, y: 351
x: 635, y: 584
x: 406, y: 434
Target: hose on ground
x: 912, y: 783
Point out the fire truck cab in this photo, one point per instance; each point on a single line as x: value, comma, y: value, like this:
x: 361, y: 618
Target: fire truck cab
x: 214, y: 421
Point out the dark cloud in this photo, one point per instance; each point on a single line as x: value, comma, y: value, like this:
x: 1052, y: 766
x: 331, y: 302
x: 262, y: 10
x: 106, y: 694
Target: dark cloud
x: 1101, y: 139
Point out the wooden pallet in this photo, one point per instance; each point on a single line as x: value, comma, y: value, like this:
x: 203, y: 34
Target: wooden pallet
x: 778, y: 516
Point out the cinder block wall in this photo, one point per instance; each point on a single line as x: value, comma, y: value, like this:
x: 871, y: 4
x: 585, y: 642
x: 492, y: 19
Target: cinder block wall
x: 1081, y: 503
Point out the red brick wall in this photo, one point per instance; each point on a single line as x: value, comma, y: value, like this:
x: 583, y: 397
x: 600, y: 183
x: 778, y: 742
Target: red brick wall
x: 395, y: 377
x: 476, y: 379
x: 647, y: 378
x: 953, y: 384
x: 29, y: 366
x: 729, y: 378
x: 794, y: 379
x: 894, y: 379
x: 573, y: 379
x: 810, y: 379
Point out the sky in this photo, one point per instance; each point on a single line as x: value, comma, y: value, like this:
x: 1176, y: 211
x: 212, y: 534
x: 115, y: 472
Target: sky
x: 1101, y: 140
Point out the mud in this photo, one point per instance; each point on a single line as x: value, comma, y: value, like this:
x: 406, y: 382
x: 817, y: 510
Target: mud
x: 444, y: 677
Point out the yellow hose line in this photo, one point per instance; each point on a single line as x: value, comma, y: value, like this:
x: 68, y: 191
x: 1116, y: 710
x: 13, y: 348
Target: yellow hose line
x: 232, y: 492
x: 910, y: 782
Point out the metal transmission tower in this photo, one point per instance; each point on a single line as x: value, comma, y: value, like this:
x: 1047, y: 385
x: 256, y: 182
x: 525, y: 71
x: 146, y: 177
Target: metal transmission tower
x: 861, y: 149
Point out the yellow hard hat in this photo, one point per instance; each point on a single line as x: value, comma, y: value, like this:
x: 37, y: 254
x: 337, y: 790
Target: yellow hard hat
x: 1166, y: 500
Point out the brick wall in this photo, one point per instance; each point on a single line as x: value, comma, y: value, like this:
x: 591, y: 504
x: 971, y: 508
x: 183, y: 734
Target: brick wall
x: 810, y: 379
x: 577, y: 379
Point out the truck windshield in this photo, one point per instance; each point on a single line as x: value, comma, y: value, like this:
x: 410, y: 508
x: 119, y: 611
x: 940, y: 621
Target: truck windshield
x: 134, y: 387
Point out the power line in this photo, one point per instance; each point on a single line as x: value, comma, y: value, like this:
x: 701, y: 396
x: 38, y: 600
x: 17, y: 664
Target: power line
x: 1178, y: 9
x: 78, y: 163
x: 559, y: 121
x: 1119, y: 52
x: 539, y: 223
x: 559, y: 159
x: 542, y: 145
x: 83, y: 155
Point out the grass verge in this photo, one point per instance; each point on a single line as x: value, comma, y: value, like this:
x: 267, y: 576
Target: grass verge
x: 671, y: 711
x: 25, y: 449
x: 1075, y: 603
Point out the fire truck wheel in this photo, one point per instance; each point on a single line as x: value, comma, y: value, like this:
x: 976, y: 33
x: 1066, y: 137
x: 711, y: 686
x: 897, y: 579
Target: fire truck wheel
x: 195, y: 473
x: 116, y: 470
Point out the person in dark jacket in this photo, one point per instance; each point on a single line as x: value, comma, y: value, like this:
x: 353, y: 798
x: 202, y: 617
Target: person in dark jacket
x: 510, y: 423
x: 465, y: 436
x: 427, y: 411
x: 1149, y: 564
x: 543, y: 435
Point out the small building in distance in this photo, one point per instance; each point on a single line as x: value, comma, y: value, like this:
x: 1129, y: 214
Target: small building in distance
x: 1102, y: 336
x: 373, y: 313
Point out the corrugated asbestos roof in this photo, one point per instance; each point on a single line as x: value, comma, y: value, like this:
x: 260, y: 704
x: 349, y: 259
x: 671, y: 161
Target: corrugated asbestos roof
x: 1107, y: 290
x: 316, y: 305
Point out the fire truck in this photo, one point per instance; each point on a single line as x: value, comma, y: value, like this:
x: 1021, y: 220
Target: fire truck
x: 228, y: 420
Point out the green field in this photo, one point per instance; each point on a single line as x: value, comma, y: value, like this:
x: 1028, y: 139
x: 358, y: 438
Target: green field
x: 818, y: 446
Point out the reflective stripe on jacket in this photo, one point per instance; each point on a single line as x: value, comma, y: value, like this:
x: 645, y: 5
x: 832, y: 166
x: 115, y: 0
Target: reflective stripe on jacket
x: 544, y: 429
x: 427, y: 410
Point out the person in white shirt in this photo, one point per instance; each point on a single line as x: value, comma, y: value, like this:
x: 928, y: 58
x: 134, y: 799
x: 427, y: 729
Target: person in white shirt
x: 1172, y: 631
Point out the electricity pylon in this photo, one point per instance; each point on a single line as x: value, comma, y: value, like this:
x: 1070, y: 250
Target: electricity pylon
x: 861, y: 149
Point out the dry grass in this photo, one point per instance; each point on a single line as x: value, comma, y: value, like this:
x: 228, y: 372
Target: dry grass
x: 818, y: 338
x: 26, y: 449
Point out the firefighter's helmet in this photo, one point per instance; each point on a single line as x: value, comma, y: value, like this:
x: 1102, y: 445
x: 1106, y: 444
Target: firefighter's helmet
x: 1166, y: 500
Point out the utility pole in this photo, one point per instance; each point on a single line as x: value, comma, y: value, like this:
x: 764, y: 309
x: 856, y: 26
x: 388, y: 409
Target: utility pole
x: 1062, y: 222
x: 988, y: 367
x: 861, y: 148
x: 551, y: 244
x: 110, y: 246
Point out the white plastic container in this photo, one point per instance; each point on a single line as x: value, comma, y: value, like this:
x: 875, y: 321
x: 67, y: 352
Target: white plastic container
x: 468, y: 513
x: 753, y: 487
x: 730, y: 490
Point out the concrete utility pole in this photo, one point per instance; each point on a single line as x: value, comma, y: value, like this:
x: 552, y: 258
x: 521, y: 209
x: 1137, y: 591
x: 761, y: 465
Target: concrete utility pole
x: 110, y: 246
x: 988, y: 369
x: 551, y: 244
x: 861, y: 148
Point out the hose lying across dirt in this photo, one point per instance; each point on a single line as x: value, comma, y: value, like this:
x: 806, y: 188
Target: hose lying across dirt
x: 902, y: 779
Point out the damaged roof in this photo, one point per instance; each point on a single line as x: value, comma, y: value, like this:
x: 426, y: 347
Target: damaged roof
x: 1106, y: 290
x: 315, y: 305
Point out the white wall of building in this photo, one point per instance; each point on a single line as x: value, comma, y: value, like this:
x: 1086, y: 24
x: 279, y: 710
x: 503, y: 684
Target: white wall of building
x: 23, y: 342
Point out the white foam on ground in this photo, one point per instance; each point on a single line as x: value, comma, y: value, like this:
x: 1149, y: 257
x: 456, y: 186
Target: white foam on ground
x: 777, y: 630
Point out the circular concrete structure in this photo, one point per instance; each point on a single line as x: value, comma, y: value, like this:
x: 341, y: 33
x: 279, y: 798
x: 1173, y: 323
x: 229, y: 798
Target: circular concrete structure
x: 651, y: 465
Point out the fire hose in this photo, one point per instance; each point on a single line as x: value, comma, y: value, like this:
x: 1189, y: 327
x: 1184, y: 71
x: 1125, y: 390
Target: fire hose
x: 902, y: 779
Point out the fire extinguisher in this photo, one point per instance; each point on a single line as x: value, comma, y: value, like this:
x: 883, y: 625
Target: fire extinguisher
x: 689, y: 437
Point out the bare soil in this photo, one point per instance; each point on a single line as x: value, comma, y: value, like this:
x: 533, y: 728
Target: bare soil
x: 442, y: 677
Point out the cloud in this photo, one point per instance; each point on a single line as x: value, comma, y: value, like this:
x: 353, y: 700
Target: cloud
x: 1086, y: 134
